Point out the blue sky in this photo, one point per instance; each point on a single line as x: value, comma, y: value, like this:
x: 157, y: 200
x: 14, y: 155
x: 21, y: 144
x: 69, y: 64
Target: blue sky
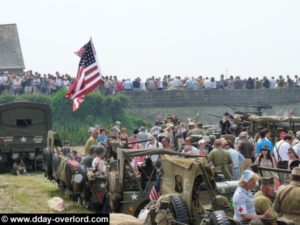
x: 144, y: 38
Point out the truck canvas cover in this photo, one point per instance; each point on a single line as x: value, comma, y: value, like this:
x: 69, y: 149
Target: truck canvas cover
x: 24, y: 119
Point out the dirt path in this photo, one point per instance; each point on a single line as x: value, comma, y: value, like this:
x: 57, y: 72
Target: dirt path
x: 30, y: 194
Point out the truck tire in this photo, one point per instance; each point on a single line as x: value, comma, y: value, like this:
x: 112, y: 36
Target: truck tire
x: 218, y: 218
x: 55, y: 165
x: 47, y: 163
x: 180, y: 209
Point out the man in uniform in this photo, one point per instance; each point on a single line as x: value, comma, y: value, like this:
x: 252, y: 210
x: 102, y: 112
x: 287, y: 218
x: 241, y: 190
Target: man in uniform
x: 287, y: 201
x: 91, y: 141
x: 247, y: 150
x: 221, y: 160
x: 191, y: 127
x: 262, y: 198
x: 88, y: 159
x: 297, y: 139
x: 198, y: 130
x: 98, y: 162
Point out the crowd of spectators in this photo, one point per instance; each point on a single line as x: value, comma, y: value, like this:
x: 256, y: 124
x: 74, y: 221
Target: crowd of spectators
x: 29, y: 82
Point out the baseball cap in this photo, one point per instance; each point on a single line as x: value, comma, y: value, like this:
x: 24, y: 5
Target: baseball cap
x: 282, y: 134
x: 243, y: 134
x: 296, y: 171
x: 247, y: 175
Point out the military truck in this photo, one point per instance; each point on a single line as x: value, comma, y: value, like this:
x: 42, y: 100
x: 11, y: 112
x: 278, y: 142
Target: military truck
x: 23, y: 133
x: 276, y: 124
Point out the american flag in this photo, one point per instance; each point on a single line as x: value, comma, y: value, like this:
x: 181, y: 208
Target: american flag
x: 154, y: 194
x: 88, y: 76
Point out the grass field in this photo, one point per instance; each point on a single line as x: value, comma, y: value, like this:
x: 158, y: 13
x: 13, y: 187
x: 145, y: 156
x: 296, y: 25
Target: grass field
x: 30, y: 194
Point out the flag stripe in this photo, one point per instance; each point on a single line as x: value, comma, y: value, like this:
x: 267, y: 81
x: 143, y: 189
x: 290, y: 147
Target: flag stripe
x: 91, y: 68
x: 80, y: 79
x: 88, y: 88
x: 92, y: 78
x: 91, y: 74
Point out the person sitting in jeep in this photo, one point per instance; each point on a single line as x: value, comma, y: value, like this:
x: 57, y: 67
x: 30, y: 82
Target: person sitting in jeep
x: 87, y: 160
x: 98, y: 162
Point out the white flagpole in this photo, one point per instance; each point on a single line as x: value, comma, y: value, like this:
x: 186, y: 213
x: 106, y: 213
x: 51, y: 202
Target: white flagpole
x: 96, y: 57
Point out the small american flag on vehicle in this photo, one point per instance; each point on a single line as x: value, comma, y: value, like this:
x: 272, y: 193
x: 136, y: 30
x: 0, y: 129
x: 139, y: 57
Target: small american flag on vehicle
x: 154, y: 194
x: 88, y: 76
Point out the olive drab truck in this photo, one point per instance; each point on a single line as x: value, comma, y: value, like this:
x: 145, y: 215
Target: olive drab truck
x: 23, y: 133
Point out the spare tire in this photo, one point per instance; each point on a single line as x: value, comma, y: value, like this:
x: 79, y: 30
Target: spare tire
x: 55, y: 165
x: 47, y: 163
x: 180, y: 209
x: 218, y: 217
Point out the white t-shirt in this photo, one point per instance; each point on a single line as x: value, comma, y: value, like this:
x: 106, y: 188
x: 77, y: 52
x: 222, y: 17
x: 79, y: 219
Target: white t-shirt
x: 154, y: 145
x: 17, y: 83
x: 66, y: 84
x: 194, y: 150
x: 207, y: 84
x: 283, y: 148
x: 272, y: 83
x: 142, y: 86
x: 296, y: 148
x: 213, y: 85
x: 59, y: 82
x: 100, y: 163
x: 171, y: 85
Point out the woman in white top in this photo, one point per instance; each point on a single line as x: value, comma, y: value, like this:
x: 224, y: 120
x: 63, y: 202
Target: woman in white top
x: 17, y: 86
x: 243, y: 200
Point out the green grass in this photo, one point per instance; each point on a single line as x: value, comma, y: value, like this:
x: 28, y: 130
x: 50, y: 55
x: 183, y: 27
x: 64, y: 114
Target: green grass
x: 30, y: 194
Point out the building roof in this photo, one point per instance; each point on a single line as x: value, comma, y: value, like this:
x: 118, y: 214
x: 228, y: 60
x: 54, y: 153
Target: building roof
x: 10, y: 49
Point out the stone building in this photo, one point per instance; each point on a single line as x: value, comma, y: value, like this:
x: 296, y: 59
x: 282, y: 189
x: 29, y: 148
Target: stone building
x: 11, y: 58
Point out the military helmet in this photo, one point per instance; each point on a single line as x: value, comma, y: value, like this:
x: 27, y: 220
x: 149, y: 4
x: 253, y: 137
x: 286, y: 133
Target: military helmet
x: 92, y: 149
x: 99, y: 149
x: 221, y: 201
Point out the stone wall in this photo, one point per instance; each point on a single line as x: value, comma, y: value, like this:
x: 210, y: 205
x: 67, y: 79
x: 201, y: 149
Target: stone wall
x: 151, y: 104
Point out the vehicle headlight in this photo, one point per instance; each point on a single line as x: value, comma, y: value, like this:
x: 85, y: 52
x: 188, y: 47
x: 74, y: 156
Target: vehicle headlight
x: 31, y: 155
x: 15, y: 155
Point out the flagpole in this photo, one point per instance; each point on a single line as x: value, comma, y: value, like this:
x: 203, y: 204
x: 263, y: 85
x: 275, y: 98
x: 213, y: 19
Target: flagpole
x: 96, y: 57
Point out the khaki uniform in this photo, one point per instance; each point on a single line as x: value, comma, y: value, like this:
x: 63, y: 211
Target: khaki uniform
x: 289, y: 207
x: 91, y: 141
x: 197, y: 131
x: 262, y: 204
x: 222, y: 162
x: 295, y: 141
